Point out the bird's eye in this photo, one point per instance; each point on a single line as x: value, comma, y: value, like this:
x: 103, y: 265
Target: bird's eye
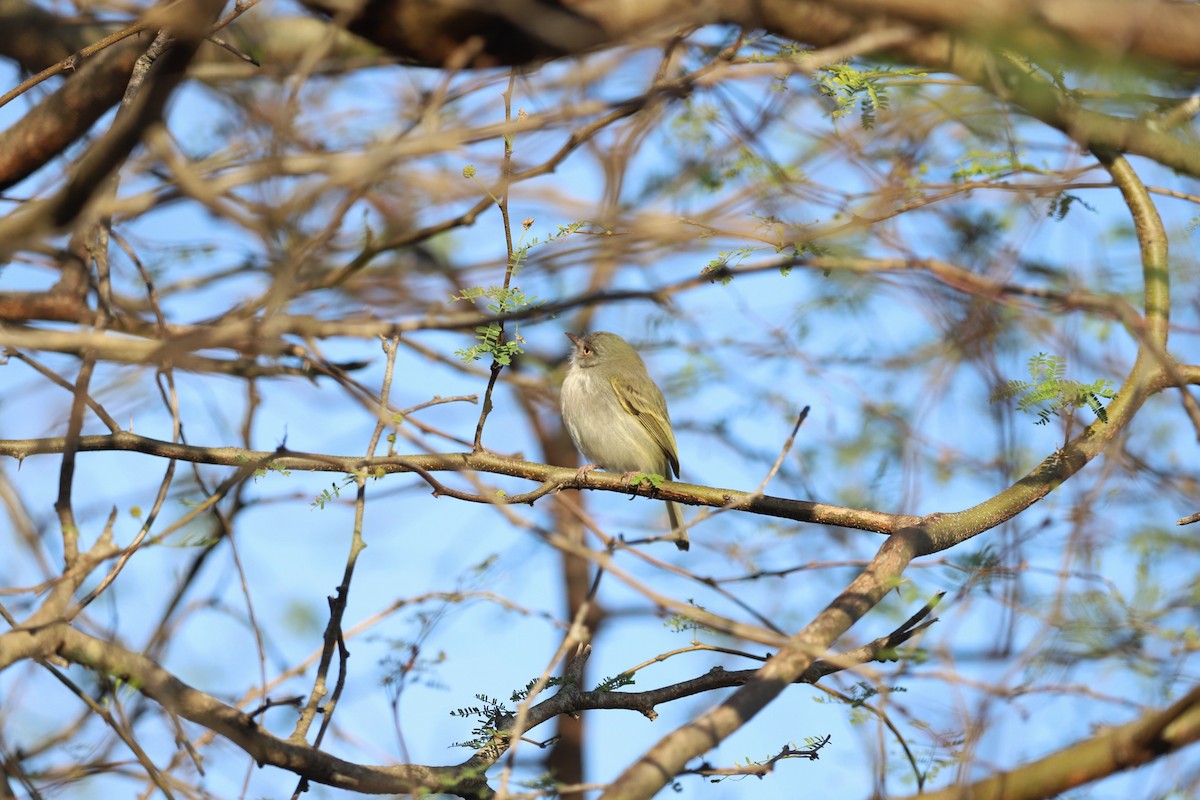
x: 587, y: 351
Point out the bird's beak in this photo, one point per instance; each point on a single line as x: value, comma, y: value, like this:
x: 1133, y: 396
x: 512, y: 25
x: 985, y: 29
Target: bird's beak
x: 574, y: 339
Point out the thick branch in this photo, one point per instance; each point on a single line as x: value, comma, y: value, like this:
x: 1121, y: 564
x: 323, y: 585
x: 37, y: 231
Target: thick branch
x: 666, y: 759
x: 962, y: 39
x: 187, y: 24
x: 182, y: 700
x: 659, y: 765
x: 1157, y: 734
x: 521, y: 32
x: 1149, y: 29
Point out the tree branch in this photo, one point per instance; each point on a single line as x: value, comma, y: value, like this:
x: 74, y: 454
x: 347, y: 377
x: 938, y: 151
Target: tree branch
x: 1107, y: 752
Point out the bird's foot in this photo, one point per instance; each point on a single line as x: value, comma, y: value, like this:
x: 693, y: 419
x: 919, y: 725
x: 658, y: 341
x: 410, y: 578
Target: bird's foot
x: 584, y: 470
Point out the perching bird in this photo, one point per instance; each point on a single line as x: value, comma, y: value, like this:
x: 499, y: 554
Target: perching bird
x: 616, y: 414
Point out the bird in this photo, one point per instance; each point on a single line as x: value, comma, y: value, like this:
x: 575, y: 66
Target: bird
x: 617, y: 416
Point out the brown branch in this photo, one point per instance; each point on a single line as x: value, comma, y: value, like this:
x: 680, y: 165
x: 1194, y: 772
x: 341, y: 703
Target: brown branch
x: 561, y: 477
x: 661, y: 763
x: 122, y: 731
x: 666, y: 759
x: 71, y: 62
x: 62, y: 383
x: 512, y: 265
x: 1105, y: 29
x: 65, y: 115
x: 967, y: 54
x: 523, y: 32
x: 182, y: 700
x: 187, y: 24
x: 763, y: 768
x: 942, y: 37
x: 1109, y: 751
x: 677, y: 87
x: 267, y: 336
x: 97, y: 62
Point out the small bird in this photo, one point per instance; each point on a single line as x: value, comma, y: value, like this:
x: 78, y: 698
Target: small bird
x: 616, y: 414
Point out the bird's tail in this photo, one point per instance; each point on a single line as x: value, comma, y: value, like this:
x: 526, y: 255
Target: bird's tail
x: 680, y: 532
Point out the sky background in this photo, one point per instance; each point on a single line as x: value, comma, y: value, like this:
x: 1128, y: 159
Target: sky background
x: 831, y: 330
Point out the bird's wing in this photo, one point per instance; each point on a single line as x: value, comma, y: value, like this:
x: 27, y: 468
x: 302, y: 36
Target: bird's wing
x: 649, y: 408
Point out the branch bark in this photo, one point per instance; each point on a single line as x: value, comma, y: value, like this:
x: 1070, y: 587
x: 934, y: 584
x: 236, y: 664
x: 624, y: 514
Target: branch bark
x: 1156, y: 734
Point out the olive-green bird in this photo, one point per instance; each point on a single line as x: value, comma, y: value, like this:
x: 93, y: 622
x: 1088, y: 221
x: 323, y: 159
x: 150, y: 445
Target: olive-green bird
x: 617, y: 416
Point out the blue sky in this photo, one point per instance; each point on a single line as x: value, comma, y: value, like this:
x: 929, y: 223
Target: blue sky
x: 293, y: 554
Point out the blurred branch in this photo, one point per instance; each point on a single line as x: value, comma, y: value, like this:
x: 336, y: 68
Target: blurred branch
x: 1107, y: 752
x: 522, y: 32
x: 72, y: 61
x: 668, y: 757
x: 187, y: 702
x: 1015, y: 80
x: 950, y: 38
x: 121, y: 730
x: 1155, y: 30
x: 186, y: 24
x: 98, y: 62
x: 328, y: 218
x: 184, y: 701
x: 572, y: 699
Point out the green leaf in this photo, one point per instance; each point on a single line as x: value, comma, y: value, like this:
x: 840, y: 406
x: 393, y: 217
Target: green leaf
x: 1050, y: 393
